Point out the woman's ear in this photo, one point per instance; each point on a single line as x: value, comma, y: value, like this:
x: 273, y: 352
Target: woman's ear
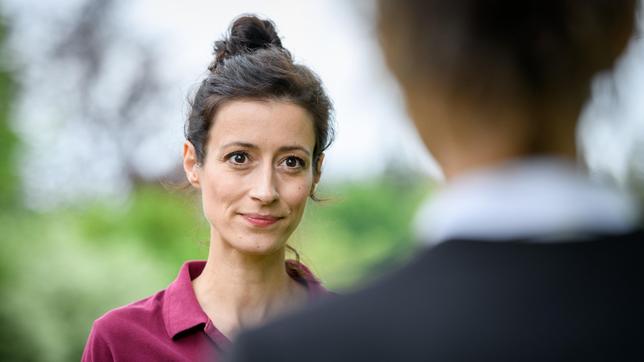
x: 317, y: 173
x: 190, y: 164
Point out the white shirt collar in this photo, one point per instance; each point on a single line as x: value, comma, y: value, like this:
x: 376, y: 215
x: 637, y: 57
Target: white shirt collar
x: 538, y: 199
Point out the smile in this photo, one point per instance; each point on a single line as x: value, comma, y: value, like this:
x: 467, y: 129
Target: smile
x: 261, y: 220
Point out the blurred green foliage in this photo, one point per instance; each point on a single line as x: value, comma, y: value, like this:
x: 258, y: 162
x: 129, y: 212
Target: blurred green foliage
x: 362, y: 230
x: 64, y: 268
x: 8, y: 140
x: 61, y: 269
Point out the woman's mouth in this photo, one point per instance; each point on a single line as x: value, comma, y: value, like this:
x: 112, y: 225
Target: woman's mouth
x: 260, y: 220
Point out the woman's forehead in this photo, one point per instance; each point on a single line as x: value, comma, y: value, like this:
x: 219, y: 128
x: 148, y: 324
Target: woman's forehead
x: 263, y: 123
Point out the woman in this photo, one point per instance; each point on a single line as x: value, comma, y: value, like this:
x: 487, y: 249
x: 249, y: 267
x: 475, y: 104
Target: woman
x: 256, y: 134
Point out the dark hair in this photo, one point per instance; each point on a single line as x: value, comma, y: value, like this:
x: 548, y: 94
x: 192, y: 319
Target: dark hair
x: 497, y: 49
x: 250, y: 63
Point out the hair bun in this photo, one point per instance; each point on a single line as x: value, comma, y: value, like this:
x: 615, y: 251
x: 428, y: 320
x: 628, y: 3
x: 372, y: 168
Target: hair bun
x: 246, y: 34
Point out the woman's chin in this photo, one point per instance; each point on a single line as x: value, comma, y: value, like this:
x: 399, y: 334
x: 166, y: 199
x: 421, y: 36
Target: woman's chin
x: 257, y: 247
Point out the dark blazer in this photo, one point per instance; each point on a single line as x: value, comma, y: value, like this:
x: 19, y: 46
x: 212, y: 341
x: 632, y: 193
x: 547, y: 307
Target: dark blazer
x: 478, y: 301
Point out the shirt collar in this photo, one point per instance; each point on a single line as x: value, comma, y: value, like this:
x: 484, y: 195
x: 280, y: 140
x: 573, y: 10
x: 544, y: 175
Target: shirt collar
x: 541, y: 199
x: 181, y: 310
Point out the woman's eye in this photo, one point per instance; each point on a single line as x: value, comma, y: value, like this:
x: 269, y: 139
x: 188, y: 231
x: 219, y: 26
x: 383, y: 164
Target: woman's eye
x: 294, y: 162
x: 238, y: 158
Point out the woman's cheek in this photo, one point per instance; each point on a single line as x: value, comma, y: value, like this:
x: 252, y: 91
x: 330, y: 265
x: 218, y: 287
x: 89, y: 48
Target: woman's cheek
x: 298, y: 195
x: 216, y: 196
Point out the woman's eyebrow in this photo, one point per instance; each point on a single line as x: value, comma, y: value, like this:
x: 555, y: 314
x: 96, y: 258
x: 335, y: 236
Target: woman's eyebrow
x: 281, y: 149
x: 294, y: 148
x: 239, y: 144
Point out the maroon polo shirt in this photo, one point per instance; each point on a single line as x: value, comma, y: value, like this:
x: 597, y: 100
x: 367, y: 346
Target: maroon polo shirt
x: 170, y: 325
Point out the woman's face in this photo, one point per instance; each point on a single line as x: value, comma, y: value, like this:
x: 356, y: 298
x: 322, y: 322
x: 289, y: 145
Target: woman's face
x: 257, y: 173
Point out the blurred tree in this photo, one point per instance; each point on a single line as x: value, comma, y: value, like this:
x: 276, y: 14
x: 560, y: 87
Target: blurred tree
x: 90, y: 43
x: 9, y: 181
x: 95, y: 97
x: 11, y: 329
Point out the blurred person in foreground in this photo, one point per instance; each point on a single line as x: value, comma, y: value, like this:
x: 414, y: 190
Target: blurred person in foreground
x: 256, y: 133
x: 528, y: 260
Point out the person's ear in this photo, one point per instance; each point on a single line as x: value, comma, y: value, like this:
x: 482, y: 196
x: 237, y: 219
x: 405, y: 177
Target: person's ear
x: 317, y: 172
x: 190, y: 164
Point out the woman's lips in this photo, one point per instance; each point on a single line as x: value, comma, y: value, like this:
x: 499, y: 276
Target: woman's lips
x: 261, y: 220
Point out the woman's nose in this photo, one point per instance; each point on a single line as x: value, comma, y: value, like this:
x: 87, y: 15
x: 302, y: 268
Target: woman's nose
x: 264, y: 187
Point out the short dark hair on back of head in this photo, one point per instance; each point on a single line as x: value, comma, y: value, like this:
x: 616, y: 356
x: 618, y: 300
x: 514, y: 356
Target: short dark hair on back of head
x: 495, y: 50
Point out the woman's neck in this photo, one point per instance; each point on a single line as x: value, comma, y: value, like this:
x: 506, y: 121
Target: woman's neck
x: 238, y: 290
